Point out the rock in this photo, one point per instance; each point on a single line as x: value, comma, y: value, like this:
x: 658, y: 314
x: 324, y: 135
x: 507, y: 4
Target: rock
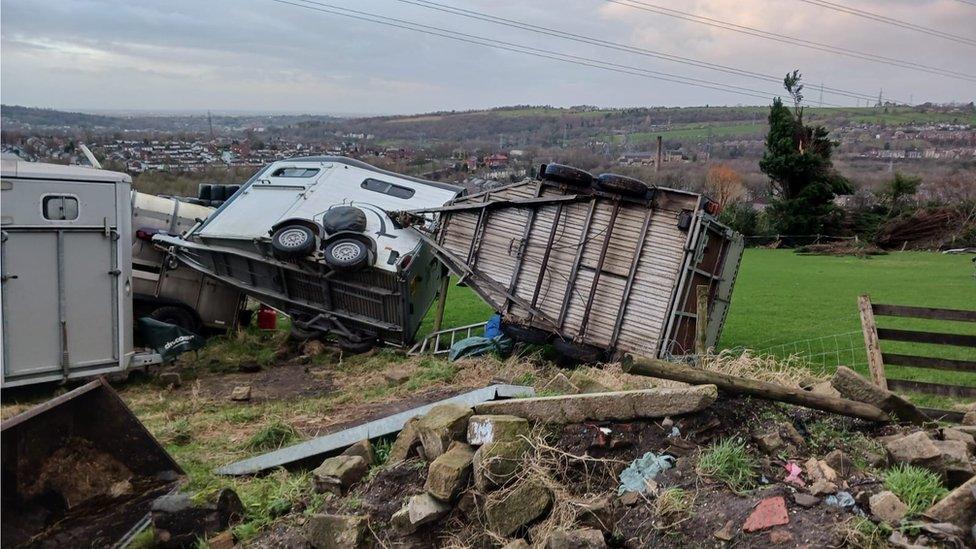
x: 179, y: 522
x: 223, y: 540
x: 423, y: 509
x: 560, y: 385
x: 822, y: 477
x: 587, y: 384
x: 622, y: 405
x: 405, y: 444
x: 853, y: 386
x: 524, y: 503
x: 770, y: 442
x: 629, y: 498
x: 598, y: 514
x: 241, y: 393
x: 887, y: 507
x: 363, y: 449
x: 335, y: 531
x: 496, y: 463
x: 795, y: 437
x: 586, y: 538
x: 486, y: 429
x: 955, y: 458
x: 517, y: 544
x: 841, y: 463
x: 825, y: 388
x: 805, y: 500
x: 444, y: 424
x: 396, y: 375
x: 780, y: 536
x: 338, y: 473
x: 968, y: 429
x: 915, y: 449
x: 313, y: 347
x: 725, y: 533
x: 120, y: 488
x: 770, y: 512
x: 470, y: 505
x: 958, y: 507
x: 450, y: 473
x: 170, y: 379
x: 955, y: 433
x: 401, y: 522
x: 969, y: 418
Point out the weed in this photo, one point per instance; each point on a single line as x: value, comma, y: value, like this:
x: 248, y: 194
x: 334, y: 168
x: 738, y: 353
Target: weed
x: 729, y: 462
x: 241, y: 415
x: 672, y: 507
x: 352, y: 503
x: 527, y: 378
x: 431, y: 371
x: 916, y: 487
x: 861, y: 532
x: 178, y: 432
x: 273, y: 436
x: 381, y: 451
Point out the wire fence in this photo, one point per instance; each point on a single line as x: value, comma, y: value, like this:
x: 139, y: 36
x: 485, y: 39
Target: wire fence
x: 823, y: 353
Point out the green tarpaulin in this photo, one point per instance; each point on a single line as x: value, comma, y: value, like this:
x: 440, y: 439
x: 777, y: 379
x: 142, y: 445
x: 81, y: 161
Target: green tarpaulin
x: 169, y: 340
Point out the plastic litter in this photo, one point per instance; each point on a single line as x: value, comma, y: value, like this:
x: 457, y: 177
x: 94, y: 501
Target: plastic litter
x: 793, y: 475
x: 480, y: 346
x: 643, y: 469
x: 493, y: 328
x: 842, y: 499
x: 675, y: 433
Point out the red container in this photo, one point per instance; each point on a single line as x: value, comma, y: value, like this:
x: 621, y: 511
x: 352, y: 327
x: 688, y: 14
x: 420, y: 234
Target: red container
x: 267, y: 318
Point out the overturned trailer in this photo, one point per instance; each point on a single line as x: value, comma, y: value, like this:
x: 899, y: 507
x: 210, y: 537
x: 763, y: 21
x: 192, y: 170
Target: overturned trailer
x: 601, y: 266
x: 312, y: 237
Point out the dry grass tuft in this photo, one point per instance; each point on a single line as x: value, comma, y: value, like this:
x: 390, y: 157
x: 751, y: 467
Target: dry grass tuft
x: 791, y: 372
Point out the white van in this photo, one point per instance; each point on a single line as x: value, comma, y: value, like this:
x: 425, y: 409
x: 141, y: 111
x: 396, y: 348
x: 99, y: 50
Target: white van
x: 313, y: 237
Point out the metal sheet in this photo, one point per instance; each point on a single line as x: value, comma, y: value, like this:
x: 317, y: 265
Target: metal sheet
x: 370, y: 430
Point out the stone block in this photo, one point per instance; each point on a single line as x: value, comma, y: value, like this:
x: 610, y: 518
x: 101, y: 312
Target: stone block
x: 444, y: 424
x: 520, y: 506
x: 337, y: 474
x: 450, y: 473
x: 495, y: 428
x: 335, y: 531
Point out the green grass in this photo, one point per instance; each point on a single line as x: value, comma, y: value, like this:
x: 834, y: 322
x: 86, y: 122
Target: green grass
x: 272, y: 436
x: 916, y: 487
x: 728, y: 461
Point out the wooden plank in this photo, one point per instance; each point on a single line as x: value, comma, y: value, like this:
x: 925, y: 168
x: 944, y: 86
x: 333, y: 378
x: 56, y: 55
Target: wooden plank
x: 890, y: 334
x: 574, y: 272
x: 599, y: 268
x: 943, y: 415
x: 701, y: 319
x: 925, y: 312
x: 638, y: 251
x: 955, y: 391
x: 870, y: 330
x: 931, y: 363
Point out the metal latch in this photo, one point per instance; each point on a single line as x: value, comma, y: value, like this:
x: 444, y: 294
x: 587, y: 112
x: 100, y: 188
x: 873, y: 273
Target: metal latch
x: 116, y: 272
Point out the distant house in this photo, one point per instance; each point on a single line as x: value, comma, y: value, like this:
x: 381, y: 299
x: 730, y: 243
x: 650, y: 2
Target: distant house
x: 496, y: 161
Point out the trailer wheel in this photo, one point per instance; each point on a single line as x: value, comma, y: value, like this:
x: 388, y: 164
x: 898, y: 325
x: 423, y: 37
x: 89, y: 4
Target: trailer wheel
x: 292, y: 241
x: 567, y: 175
x: 577, y: 352
x: 355, y: 347
x: 622, y: 185
x: 179, y: 316
x: 526, y: 334
x: 346, y: 254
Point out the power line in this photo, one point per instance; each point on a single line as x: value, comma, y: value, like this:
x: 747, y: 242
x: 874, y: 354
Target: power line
x: 576, y: 37
x: 891, y: 21
x: 970, y: 2
x: 528, y: 50
x: 782, y: 38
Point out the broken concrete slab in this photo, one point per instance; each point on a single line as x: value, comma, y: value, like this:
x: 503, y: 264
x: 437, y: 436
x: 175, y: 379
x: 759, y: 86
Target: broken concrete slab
x: 915, y: 449
x: 768, y: 513
x: 483, y: 429
x: 362, y: 449
x: 584, y: 538
x: 337, y: 474
x: 887, y: 507
x: 423, y: 509
x: 442, y: 425
x: 521, y: 505
x: 450, y: 473
x: 495, y: 463
x: 959, y: 507
x: 855, y: 387
x: 560, y: 385
x: 335, y: 531
x: 621, y: 405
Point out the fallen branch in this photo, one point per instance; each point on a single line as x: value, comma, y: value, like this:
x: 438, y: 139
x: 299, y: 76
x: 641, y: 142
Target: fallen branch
x: 762, y: 389
x: 849, y: 384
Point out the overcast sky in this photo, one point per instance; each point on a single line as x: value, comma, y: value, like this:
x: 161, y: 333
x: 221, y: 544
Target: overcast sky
x: 259, y: 55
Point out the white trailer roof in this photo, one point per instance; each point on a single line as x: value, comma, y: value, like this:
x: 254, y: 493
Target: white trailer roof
x: 40, y: 170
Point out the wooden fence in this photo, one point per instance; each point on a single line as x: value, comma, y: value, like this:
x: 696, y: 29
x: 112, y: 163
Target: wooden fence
x: 877, y: 359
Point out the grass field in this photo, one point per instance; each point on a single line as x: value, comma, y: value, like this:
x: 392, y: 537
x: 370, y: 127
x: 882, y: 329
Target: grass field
x: 786, y: 304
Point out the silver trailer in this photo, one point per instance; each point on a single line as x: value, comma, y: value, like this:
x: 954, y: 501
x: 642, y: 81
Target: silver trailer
x: 313, y: 238
x: 66, y: 293
x: 165, y: 290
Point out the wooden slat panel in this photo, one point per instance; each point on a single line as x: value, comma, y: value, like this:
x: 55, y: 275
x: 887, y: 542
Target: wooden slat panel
x: 890, y: 334
x: 926, y: 362
x: 955, y: 391
x: 925, y: 312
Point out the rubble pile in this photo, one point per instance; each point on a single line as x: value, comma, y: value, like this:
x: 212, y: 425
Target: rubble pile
x: 621, y: 468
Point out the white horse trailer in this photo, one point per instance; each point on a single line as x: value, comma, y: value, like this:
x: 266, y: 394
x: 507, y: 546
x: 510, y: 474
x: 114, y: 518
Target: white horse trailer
x: 66, y: 297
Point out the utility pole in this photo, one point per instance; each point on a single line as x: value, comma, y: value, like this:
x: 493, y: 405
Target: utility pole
x: 879, y: 97
x: 210, y: 121
x: 821, y: 94
x: 657, y: 165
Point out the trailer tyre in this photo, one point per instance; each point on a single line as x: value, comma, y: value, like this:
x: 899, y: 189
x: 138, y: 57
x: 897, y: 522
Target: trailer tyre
x: 355, y: 347
x: 567, y: 175
x: 526, y: 334
x: 578, y: 352
x: 346, y: 254
x: 293, y: 241
x: 179, y: 316
x: 622, y: 185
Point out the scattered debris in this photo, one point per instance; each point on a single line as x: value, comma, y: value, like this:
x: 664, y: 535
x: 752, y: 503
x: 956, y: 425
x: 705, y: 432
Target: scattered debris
x: 337, y: 474
x: 725, y: 533
x: 241, y: 393
x: 586, y: 538
x: 887, y: 507
x: 444, y: 424
x: 822, y: 477
x: 450, y: 472
x: 335, y: 531
x: 178, y: 522
x: 841, y: 499
x: 640, y: 474
x: 170, y: 379
x: 484, y: 429
x: 805, y: 500
x: 768, y: 513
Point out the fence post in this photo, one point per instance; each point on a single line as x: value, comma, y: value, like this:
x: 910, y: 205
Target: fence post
x: 870, y: 330
x: 701, y: 321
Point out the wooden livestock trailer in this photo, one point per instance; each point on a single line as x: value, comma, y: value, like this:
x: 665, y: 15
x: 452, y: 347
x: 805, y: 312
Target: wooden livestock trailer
x: 601, y: 266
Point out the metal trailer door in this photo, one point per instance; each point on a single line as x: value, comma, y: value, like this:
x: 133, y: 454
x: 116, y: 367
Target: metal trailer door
x: 723, y: 293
